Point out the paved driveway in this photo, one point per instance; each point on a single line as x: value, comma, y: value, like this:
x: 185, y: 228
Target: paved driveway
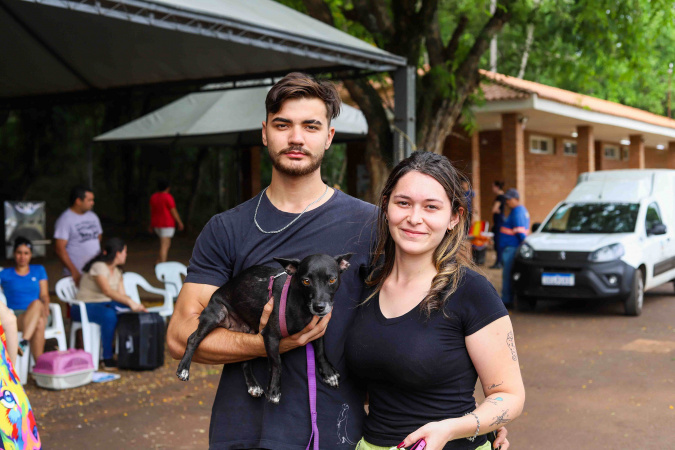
x: 594, y: 379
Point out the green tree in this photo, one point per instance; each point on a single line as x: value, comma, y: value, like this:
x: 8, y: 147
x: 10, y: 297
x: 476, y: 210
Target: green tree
x: 611, y: 49
x: 447, y: 37
x: 618, y: 50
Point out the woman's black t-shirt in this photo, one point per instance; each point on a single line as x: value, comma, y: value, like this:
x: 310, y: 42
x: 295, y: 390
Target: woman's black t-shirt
x: 417, y: 369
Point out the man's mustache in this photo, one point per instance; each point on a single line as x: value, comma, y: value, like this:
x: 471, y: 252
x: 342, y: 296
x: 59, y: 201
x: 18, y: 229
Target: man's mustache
x: 294, y: 150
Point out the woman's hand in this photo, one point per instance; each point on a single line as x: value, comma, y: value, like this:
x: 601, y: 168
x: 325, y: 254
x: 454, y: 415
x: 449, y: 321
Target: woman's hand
x: 501, y: 442
x: 436, y: 435
x: 137, y: 307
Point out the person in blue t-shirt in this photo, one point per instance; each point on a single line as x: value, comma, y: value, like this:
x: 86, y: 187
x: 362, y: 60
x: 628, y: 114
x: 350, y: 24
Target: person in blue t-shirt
x: 512, y: 233
x: 25, y: 286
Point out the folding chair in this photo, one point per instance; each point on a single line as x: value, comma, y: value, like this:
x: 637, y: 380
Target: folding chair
x: 66, y: 291
x: 134, y: 281
x: 171, y: 273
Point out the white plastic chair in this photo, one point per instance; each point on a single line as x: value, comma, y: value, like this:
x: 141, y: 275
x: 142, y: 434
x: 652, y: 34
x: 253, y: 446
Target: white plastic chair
x: 134, y: 281
x: 91, y: 332
x: 170, y: 273
x: 54, y: 330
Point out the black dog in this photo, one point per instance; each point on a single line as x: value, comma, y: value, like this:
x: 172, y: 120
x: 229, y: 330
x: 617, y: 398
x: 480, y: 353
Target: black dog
x: 239, y: 304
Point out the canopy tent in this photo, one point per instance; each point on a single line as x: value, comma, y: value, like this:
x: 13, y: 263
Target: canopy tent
x: 90, y: 45
x: 64, y: 49
x: 230, y: 117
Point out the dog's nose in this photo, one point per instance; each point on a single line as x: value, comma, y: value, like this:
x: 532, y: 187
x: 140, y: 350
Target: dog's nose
x: 319, y: 308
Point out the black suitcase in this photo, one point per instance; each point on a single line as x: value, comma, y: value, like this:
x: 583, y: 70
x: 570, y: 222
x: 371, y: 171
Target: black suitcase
x: 140, y: 341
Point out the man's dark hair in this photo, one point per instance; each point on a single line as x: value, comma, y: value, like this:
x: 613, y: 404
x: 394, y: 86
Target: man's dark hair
x: 162, y: 185
x: 78, y: 192
x: 300, y: 85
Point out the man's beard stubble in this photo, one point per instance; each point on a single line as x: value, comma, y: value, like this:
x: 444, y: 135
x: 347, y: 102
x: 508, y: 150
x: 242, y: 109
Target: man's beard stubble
x: 315, y: 162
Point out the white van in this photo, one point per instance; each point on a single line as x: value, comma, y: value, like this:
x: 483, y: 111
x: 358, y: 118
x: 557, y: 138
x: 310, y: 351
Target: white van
x: 612, y: 238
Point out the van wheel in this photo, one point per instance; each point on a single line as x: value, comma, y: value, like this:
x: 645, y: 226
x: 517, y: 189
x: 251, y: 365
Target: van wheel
x: 634, y: 301
x: 523, y: 303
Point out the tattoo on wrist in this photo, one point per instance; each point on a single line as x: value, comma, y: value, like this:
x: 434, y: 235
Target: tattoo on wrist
x: 501, y: 418
x: 495, y: 385
x: 512, y: 345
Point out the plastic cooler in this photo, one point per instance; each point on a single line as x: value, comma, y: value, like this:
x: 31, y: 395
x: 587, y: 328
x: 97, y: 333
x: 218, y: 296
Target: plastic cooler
x: 63, y: 370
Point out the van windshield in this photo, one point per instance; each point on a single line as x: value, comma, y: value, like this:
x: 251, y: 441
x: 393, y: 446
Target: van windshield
x: 593, y: 218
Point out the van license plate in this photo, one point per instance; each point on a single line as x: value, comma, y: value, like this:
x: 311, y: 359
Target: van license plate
x: 557, y: 279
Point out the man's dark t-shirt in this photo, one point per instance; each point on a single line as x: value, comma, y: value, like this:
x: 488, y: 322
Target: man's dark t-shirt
x: 231, y: 242
x: 418, y: 370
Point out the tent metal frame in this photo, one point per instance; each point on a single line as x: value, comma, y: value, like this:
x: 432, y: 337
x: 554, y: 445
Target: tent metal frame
x: 173, y: 18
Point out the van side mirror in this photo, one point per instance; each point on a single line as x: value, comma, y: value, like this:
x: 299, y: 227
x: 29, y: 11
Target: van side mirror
x: 657, y: 229
x: 535, y: 226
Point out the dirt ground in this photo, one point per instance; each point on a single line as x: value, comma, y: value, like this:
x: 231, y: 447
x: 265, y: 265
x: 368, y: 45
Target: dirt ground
x: 594, y: 379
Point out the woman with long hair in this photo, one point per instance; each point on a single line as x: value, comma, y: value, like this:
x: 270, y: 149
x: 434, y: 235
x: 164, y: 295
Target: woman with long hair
x: 102, y: 288
x: 26, y: 289
x: 431, y: 325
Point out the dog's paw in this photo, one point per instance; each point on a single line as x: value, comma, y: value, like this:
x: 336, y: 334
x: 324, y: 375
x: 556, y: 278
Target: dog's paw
x: 255, y: 391
x: 330, y: 376
x: 275, y: 398
x: 333, y: 380
x: 183, y: 374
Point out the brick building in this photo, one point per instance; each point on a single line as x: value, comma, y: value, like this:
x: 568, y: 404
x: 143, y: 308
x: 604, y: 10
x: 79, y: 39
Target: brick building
x: 538, y: 139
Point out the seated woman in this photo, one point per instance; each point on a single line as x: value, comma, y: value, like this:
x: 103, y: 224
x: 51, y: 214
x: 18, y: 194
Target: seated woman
x: 26, y: 289
x: 431, y: 325
x: 102, y: 289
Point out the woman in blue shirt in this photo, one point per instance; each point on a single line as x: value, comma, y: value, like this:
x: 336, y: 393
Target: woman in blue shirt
x: 25, y: 286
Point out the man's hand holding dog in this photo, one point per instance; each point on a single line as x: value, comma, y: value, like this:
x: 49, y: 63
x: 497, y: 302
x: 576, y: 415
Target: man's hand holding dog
x: 314, y: 330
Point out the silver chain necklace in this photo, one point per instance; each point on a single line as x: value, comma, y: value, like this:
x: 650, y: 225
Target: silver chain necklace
x: 255, y: 215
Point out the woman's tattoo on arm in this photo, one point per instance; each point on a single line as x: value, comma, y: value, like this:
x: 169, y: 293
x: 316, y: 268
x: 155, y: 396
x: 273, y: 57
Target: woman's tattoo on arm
x: 500, y: 419
x: 495, y: 385
x: 512, y: 345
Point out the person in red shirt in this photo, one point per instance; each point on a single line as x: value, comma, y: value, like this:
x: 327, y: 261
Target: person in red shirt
x: 164, y: 218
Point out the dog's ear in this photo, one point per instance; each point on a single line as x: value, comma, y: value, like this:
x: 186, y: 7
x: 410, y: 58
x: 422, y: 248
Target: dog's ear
x: 343, y: 261
x: 289, y: 265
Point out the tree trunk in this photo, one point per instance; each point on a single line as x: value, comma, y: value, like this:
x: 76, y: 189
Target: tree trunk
x: 526, y: 51
x: 438, y: 117
x: 197, y: 175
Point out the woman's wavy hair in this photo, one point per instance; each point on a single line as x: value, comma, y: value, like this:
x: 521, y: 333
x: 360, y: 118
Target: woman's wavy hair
x: 451, y: 256
x: 109, y: 250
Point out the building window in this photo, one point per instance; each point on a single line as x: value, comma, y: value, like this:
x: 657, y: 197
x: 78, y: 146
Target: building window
x: 612, y: 152
x: 570, y: 148
x: 541, y: 145
x: 625, y: 153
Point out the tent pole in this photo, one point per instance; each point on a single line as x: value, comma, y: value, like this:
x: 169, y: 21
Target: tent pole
x: 404, y: 112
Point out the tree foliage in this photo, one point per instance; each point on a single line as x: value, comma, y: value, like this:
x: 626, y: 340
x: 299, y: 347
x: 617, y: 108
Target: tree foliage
x: 618, y: 50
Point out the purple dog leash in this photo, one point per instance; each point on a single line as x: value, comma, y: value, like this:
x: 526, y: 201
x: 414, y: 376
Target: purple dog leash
x: 311, y: 370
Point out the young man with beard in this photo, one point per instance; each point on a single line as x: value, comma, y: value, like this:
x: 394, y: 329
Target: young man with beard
x: 295, y: 216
